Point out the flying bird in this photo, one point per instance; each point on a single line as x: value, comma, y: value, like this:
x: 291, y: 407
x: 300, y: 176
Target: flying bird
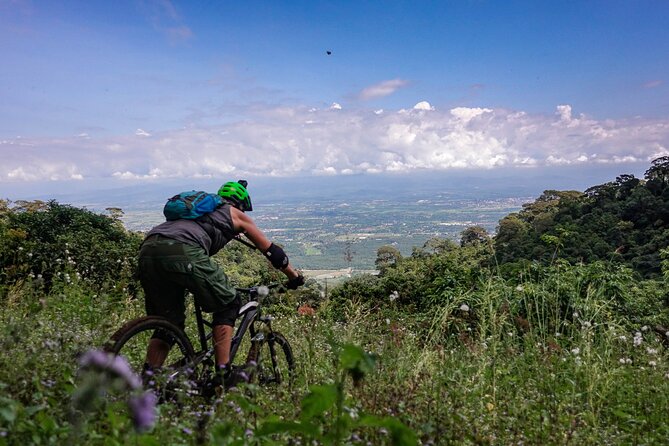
x: 328, y: 52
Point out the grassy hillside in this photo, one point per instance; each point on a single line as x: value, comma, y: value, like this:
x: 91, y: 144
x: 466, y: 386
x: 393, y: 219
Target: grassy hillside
x: 450, y: 345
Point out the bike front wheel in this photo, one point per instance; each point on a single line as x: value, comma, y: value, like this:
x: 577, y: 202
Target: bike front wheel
x: 274, y: 360
x: 179, y: 376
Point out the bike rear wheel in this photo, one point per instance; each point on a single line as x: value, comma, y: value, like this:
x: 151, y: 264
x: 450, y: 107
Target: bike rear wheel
x: 181, y: 375
x: 275, y: 363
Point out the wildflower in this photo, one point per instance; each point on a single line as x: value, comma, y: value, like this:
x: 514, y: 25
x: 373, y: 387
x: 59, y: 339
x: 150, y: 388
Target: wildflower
x: 652, y: 363
x: 464, y: 307
x: 576, y: 351
x: 520, y: 288
x: 248, y: 432
x: 387, y: 321
x: 117, y: 365
x: 186, y: 431
x: 622, y: 337
x: 638, y: 339
x: 625, y: 360
x: 586, y: 324
x: 143, y: 410
x: 651, y: 351
x: 644, y: 328
x: 575, y: 315
x: 394, y: 296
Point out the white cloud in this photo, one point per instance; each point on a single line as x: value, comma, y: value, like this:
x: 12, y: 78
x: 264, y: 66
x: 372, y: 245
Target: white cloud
x: 382, y: 89
x: 423, y: 105
x: 140, y: 132
x: 335, y: 106
x: 276, y: 141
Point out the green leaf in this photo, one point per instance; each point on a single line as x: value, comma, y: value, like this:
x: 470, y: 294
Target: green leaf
x: 356, y: 362
x: 8, y: 413
x: 221, y: 433
x: 318, y: 401
x: 400, y: 434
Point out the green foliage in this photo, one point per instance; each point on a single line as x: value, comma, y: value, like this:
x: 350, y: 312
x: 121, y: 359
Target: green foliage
x: 625, y: 221
x: 431, y: 275
x: 43, y: 243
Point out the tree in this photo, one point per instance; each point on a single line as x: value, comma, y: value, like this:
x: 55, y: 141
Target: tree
x: 387, y: 256
x: 474, y: 235
x: 658, y: 175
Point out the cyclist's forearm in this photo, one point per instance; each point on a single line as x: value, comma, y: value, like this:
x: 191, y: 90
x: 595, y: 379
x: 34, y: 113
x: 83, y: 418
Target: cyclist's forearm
x: 290, y: 272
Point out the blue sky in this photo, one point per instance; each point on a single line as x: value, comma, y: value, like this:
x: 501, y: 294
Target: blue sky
x: 160, y: 89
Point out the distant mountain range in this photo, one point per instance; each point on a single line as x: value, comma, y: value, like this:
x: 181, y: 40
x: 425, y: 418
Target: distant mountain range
x: 464, y: 184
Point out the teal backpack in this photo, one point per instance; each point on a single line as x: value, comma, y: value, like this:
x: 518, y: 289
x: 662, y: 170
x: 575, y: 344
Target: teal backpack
x: 191, y: 205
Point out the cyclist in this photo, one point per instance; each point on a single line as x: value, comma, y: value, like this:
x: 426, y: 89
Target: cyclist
x: 175, y: 257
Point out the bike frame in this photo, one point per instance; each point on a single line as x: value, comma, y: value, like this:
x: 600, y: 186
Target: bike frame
x: 248, y: 313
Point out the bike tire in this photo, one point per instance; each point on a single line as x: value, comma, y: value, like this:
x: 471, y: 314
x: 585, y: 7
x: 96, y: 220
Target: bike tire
x: 274, y: 361
x: 178, y: 377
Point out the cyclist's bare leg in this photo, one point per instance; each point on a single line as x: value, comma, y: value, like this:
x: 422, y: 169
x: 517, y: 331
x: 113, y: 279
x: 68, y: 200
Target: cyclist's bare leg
x: 157, y: 352
x: 222, y: 340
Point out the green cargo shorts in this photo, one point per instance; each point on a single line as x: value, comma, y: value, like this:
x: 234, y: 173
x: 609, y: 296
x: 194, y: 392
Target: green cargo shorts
x: 168, y: 268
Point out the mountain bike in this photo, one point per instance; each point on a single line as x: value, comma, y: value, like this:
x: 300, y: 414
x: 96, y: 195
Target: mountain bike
x: 188, y: 371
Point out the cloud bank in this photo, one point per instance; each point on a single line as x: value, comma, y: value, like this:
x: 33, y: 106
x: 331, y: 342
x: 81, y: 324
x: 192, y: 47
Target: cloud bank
x: 287, y: 141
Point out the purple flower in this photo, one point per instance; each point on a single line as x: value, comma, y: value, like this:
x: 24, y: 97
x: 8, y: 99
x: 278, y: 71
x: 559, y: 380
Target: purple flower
x: 108, y: 362
x: 143, y: 410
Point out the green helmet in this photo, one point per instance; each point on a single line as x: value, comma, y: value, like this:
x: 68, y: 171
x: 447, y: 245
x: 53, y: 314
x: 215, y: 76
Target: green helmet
x: 235, y: 192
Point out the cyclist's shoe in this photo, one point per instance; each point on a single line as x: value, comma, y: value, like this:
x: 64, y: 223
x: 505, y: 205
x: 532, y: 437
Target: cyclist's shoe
x: 212, y: 387
x: 235, y: 377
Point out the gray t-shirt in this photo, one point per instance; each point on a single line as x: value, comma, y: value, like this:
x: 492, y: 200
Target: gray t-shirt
x: 212, y: 231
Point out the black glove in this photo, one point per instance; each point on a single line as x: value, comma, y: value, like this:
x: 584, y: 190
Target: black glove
x: 295, y: 282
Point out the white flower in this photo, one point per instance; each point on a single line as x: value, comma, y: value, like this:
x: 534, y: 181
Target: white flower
x: 638, y: 339
x: 652, y: 363
x: 651, y: 351
x: 644, y: 328
x: 394, y: 296
x: 625, y: 360
x: 576, y: 351
x: 520, y: 288
x: 622, y: 337
x: 387, y: 321
x: 575, y: 315
x: 464, y: 307
x: 586, y: 324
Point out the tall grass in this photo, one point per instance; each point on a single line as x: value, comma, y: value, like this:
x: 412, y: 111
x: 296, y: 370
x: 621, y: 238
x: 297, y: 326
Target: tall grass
x: 544, y: 361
